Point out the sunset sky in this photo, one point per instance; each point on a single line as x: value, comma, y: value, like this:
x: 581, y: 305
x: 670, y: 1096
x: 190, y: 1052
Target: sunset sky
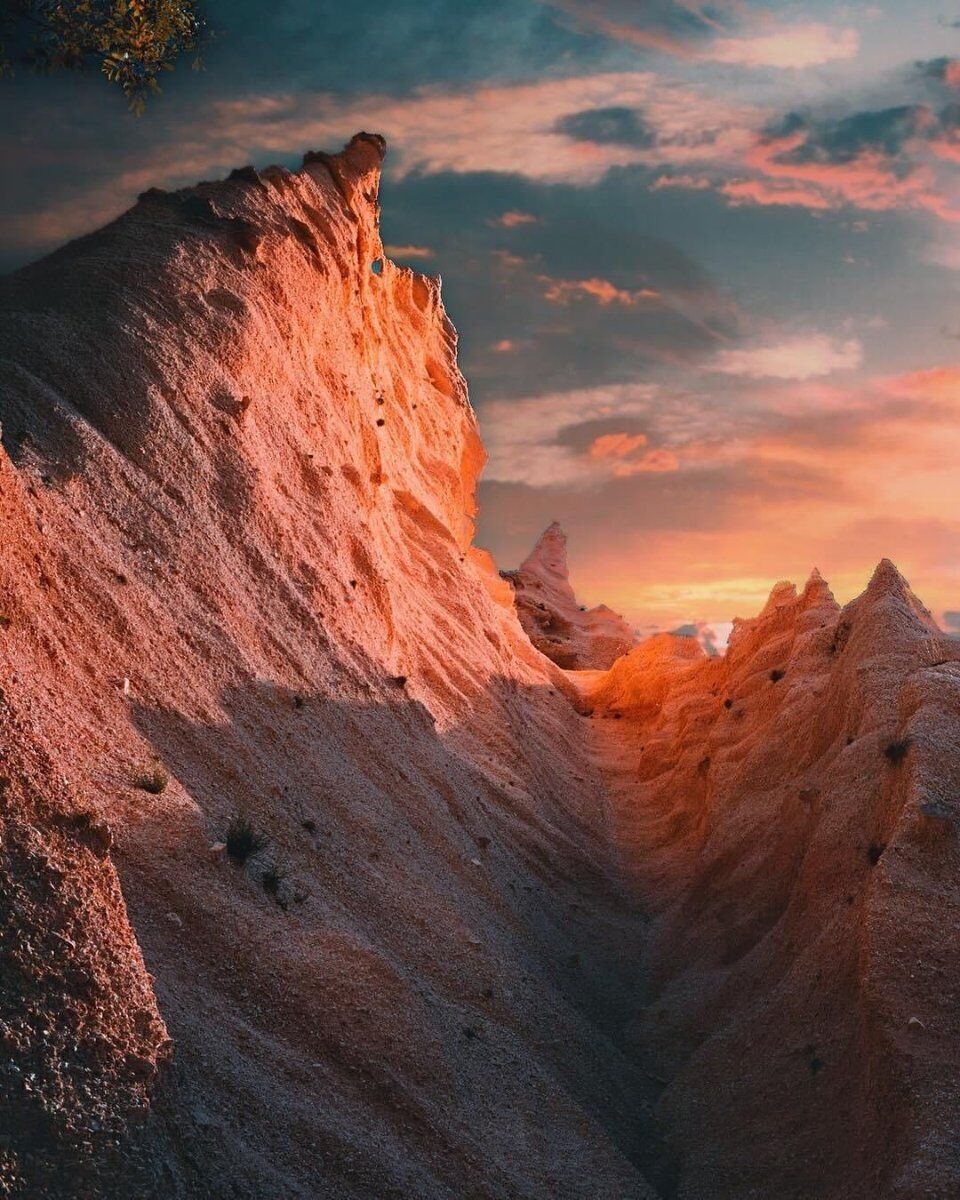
x: 703, y: 258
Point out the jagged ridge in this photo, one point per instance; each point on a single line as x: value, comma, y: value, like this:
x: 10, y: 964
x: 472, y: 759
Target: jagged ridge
x: 570, y: 635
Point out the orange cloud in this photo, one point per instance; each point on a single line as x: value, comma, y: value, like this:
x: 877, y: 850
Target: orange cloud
x: 936, y: 384
x: 562, y: 291
x: 513, y: 219
x: 655, y: 462
x: 620, y: 451
x: 616, y: 445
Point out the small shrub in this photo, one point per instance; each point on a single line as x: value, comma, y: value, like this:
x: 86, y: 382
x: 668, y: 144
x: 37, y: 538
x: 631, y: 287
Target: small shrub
x: 728, y: 704
x: 776, y: 675
x: 875, y: 853
x: 243, y: 841
x: 272, y: 878
x: 154, y: 781
x: 309, y: 825
x: 896, y: 751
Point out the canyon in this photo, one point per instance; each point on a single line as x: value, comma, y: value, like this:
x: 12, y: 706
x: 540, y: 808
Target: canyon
x: 610, y: 921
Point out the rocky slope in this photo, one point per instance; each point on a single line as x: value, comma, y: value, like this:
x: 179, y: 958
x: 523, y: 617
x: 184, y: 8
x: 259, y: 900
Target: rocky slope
x: 683, y: 927
x: 570, y: 635
x: 789, y: 815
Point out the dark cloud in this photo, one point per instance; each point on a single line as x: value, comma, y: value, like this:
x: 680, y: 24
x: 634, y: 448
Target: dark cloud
x: 888, y: 134
x: 390, y: 46
x: 843, y: 141
x: 579, y: 297
x: 608, y: 126
x: 937, y: 68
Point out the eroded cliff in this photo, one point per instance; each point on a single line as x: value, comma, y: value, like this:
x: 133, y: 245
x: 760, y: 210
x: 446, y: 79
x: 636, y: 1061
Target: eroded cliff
x: 568, y: 633
x: 679, y: 927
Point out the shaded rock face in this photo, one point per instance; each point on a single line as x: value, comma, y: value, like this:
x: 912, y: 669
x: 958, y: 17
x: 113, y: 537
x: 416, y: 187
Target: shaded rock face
x: 683, y: 927
x: 571, y: 636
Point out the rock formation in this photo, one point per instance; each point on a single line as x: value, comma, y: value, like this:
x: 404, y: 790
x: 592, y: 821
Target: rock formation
x: 789, y: 814
x: 573, y: 637
x: 408, y: 910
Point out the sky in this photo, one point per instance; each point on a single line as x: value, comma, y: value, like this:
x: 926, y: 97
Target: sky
x: 703, y: 258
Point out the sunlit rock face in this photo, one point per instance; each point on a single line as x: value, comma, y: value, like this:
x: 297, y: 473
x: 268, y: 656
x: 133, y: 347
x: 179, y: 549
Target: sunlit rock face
x: 242, y: 465
x: 789, y: 814
x: 570, y: 635
x: 674, y: 926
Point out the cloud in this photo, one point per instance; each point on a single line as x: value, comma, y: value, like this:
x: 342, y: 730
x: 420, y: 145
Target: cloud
x: 677, y: 27
x: 409, y: 251
x: 613, y: 126
x: 562, y: 291
x: 688, y: 183
x: 877, y: 160
x: 767, y: 193
x: 513, y: 219
x: 939, y: 384
x: 535, y: 129
x: 531, y: 440
x: 944, y: 70
x: 627, y: 454
x: 584, y: 295
x: 712, y: 636
x: 803, y: 357
x: 724, y: 32
x: 795, y: 46
x: 617, y: 445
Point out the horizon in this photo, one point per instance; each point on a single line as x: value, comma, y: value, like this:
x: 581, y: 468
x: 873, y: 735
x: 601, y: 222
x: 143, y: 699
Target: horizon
x: 702, y: 261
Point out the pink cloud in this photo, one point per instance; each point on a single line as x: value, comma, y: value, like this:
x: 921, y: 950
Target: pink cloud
x: 871, y: 180
x: 763, y: 192
x: 803, y: 357
x: 692, y: 183
x: 787, y: 47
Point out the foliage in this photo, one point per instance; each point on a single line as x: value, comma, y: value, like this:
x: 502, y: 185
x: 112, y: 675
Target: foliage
x: 896, y: 751
x: 242, y: 840
x: 154, y: 781
x: 131, y: 42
